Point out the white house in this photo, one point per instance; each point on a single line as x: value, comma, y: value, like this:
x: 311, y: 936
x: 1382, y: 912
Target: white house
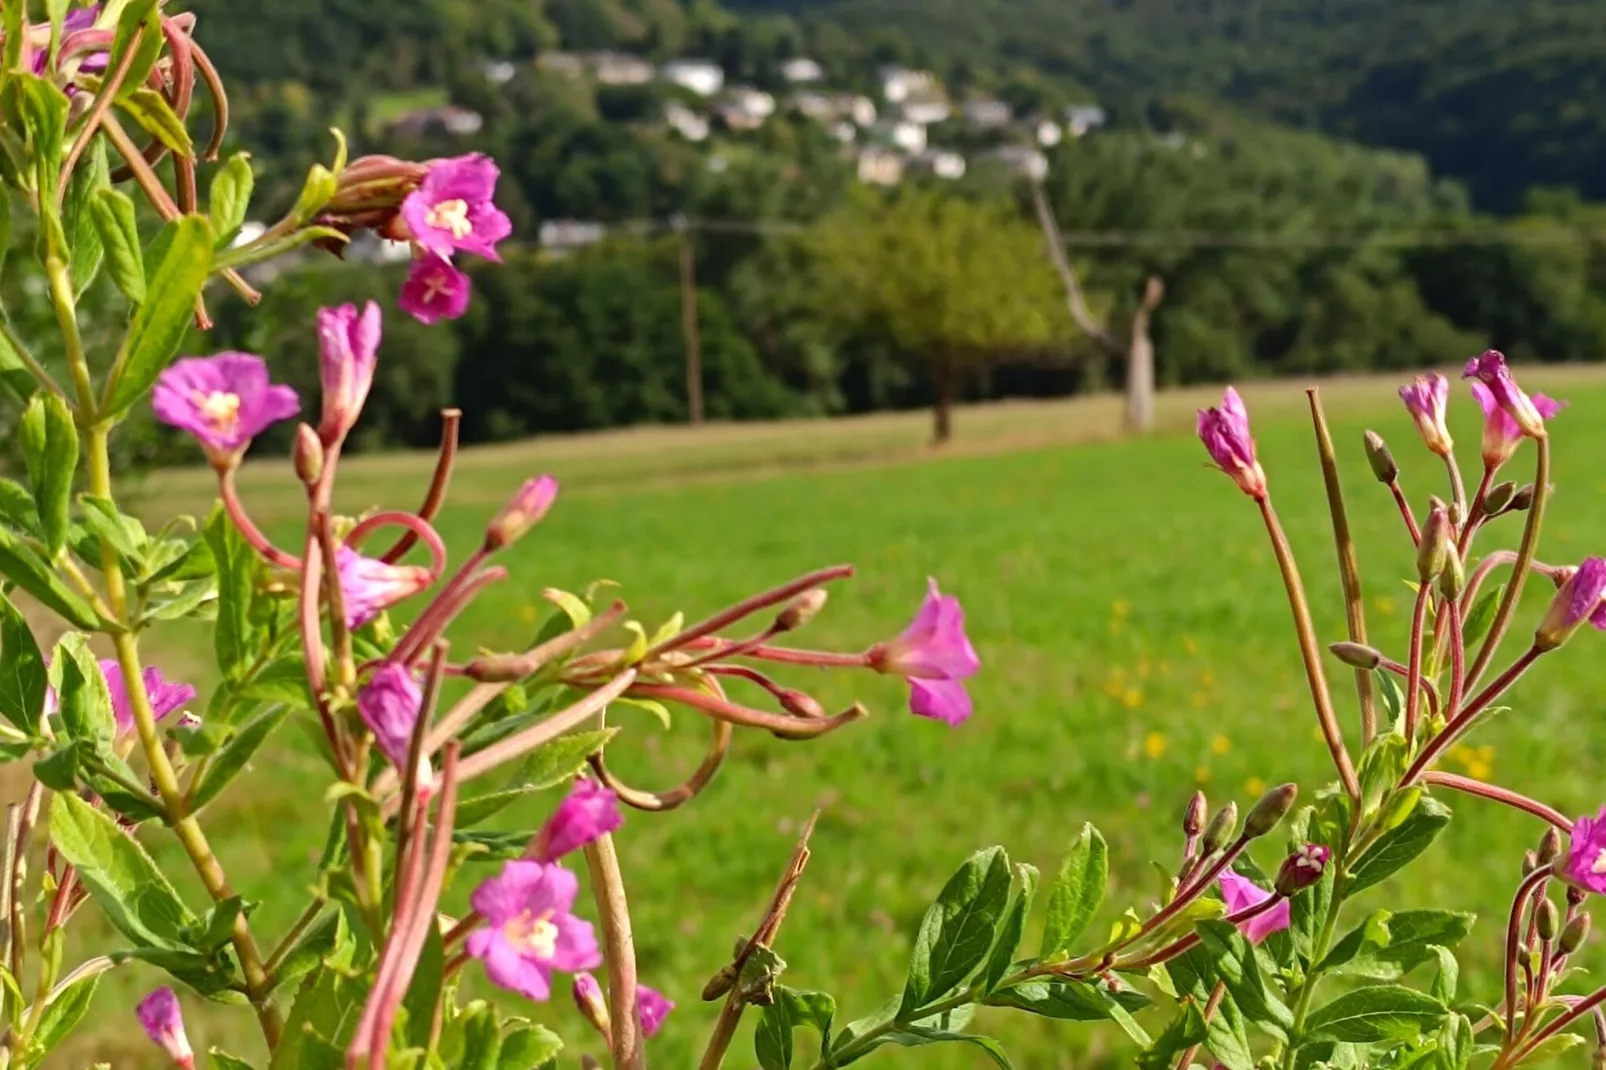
x: 1022, y: 160
x: 568, y: 64
x: 988, y: 114
x: 845, y: 132
x: 801, y: 69
x: 910, y: 137
x: 421, y: 122
x: 862, y: 110
x: 927, y: 109
x: 752, y: 102
x: 566, y: 235
x: 1084, y: 117
x: 701, y: 76
x: 1048, y: 133
x: 811, y: 105
x: 900, y: 83
x: 619, y: 68
x: 880, y: 167
x: 944, y: 163
x: 498, y: 71
x: 685, y: 122
x: 368, y: 247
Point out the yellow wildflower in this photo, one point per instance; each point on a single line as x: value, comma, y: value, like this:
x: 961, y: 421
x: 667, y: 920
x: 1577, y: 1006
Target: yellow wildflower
x: 1154, y: 744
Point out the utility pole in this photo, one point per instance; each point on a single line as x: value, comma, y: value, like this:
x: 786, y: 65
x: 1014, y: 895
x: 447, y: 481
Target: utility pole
x: 688, y: 323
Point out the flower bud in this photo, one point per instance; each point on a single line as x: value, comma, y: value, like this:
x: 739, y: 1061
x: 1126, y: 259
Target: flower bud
x: 1453, y: 580
x: 1546, y: 920
x: 1221, y: 829
x: 1578, y: 600
x: 1499, y: 498
x: 163, y: 1022
x: 801, y: 704
x: 1357, y: 655
x: 589, y: 999
x: 522, y: 512
x: 1530, y: 862
x: 1549, y: 847
x: 1437, y: 538
x: 1523, y: 500
x: 1193, y: 818
x: 1574, y: 935
x: 496, y: 669
x: 1381, y: 460
x: 1302, y: 869
x: 1270, y: 810
x: 307, y: 454
x: 801, y: 610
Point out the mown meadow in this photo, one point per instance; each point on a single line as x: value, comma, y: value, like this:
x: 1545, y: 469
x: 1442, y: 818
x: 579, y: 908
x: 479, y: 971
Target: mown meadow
x: 1135, y: 641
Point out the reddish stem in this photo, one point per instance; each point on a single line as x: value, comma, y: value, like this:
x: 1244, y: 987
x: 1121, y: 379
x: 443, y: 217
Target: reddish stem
x: 1413, y: 678
x: 783, y: 726
x: 1461, y: 722
x: 1405, y: 513
x: 435, y: 497
x: 1495, y: 793
x: 747, y: 607
x: 1475, y: 518
x: 248, y: 529
x: 1534, y: 880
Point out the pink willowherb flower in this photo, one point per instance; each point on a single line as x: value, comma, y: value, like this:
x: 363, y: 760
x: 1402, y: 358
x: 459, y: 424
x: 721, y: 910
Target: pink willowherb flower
x: 390, y: 704
x: 1501, y: 435
x: 530, y: 930
x: 1491, y: 370
x: 1578, y: 598
x: 452, y: 210
x: 1303, y: 868
x: 435, y: 290
x: 1586, y: 859
x: 163, y: 1021
x: 370, y: 586
x: 934, y: 654
x: 654, y: 1007
x: 224, y: 401
x: 165, y: 696
x: 589, y: 810
x: 348, y: 345
x: 528, y: 506
x: 1427, y: 399
x: 1240, y: 894
x: 1226, y: 436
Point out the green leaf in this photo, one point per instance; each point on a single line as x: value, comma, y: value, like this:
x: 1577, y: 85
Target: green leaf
x: 321, y: 1020
x: 45, y: 111
x: 1400, y: 845
x: 958, y: 929
x: 63, y: 1013
x: 138, y: 13
x: 1388, y: 686
x: 1445, y: 981
x: 772, y: 1039
x: 233, y: 757
x: 325, y: 938
x: 1357, y: 951
x: 1377, y: 1013
x: 85, y: 703
x: 1192, y: 974
x: 1013, y: 928
x: 528, y: 1048
x: 319, y: 187
x: 1186, y: 1030
x: 112, y: 213
x: 1059, y: 998
x: 22, y: 671
x: 161, y: 322
x: 217, y: 928
x: 127, y: 886
x: 151, y: 111
x: 102, y: 518
x: 1417, y: 936
x: 222, y: 1060
x: 1077, y: 891
x: 83, y: 240
x: 234, y: 637
x: 17, y: 508
x: 424, y: 994
x: 1553, y: 1048
x: 1234, y: 962
x: 15, y: 377
x: 937, y: 1029
x: 1382, y: 765
x: 1481, y: 619
x: 58, y: 771
x: 230, y: 198
x: 50, y: 453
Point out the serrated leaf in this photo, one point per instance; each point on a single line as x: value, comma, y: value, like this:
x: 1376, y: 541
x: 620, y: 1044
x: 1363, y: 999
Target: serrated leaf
x: 50, y: 452
x: 84, y: 701
x: 153, y: 114
x: 125, y: 883
x: 1481, y: 618
x: 1186, y: 1030
x: 161, y: 322
x: 234, y: 756
x: 958, y: 929
x: 1012, y: 929
x: 530, y: 1048
x: 1374, y: 1014
x: 1077, y: 891
x: 230, y: 197
x: 83, y: 240
x: 1400, y: 845
x: 113, y: 216
x: 63, y: 1013
x: 1234, y: 962
x: 22, y: 671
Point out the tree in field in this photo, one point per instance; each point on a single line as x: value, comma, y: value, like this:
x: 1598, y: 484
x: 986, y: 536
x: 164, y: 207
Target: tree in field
x: 952, y: 282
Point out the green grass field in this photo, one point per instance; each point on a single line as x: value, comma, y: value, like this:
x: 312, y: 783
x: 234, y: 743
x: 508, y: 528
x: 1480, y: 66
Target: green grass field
x: 1135, y: 642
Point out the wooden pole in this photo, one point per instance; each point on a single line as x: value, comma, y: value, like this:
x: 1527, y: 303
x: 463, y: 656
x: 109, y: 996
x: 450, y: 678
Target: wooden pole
x: 688, y: 323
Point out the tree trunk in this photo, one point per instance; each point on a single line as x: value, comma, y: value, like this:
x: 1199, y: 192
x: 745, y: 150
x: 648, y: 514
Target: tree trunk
x: 944, y: 385
x: 1140, y: 362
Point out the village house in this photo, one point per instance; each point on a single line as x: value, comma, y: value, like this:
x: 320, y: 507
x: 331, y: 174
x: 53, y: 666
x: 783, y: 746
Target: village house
x: 701, y: 76
x: 449, y: 120
x: 1021, y: 160
x: 880, y: 167
x: 908, y: 136
x: 927, y: 108
x: 987, y: 114
x: 1082, y: 118
x: 800, y: 70
x: 562, y: 236
x: 1048, y: 132
x: 943, y: 163
x: 900, y: 83
x: 685, y: 122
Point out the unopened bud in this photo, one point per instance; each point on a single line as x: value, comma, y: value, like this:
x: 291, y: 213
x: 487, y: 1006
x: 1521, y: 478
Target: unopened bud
x: 522, y: 512
x: 1453, y: 580
x: 801, y: 610
x: 1221, y: 829
x: 1437, y: 537
x: 589, y: 999
x: 1546, y: 920
x: 1549, y: 846
x: 719, y: 984
x: 1523, y: 500
x: 801, y: 704
x: 1578, y: 599
x: 1381, y: 460
x: 1574, y: 935
x: 1499, y: 498
x: 1193, y: 818
x: 1357, y: 655
x: 1530, y: 862
x: 1270, y: 810
x: 1302, y: 869
x: 307, y: 455
x: 496, y: 669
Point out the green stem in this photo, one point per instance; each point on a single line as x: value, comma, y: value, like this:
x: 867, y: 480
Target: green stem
x: 862, y: 1044
x: 1307, y: 988
x: 288, y: 943
x: 20, y: 348
x: 1519, y: 574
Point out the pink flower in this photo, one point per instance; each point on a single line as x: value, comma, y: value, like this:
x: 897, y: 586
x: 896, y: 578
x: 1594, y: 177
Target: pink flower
x: 389, y: 704
x: 589, y: 810
x: 1225, y: 434
x: 654, y: 1007
x: 1586, y: 860
x: 452, y: 208
x: 224, y: 401
x: 934, y: 655
x: 165, y: 696
x: 522, y: 512
x: 1501, y: 435
x: 1490, y: 370
x: 163, y: 1022
x: 435, y: 290
x: 529, y: 929
x: 1427, y: 399
x: 591, y: 1003
x: 1240, y: 894
x: 1578, y: 598
x: 348, y: 346
x: 369, y: 586
x: 1303, y: 868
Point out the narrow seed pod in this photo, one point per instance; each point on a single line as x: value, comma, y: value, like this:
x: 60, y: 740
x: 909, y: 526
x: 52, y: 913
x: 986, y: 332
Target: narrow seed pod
x: 1547, y: 920
x: 1357, y: 655
x: 1574, y: 935
x: 1499, y: 498
x: 1381, y: 460
x: 1221, y: 829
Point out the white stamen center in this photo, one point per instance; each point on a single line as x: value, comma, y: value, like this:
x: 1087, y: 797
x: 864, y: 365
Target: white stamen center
x: 533, y: 934
x: 1600, y: 862
x: 452, y: 216
x: 221, y: 409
